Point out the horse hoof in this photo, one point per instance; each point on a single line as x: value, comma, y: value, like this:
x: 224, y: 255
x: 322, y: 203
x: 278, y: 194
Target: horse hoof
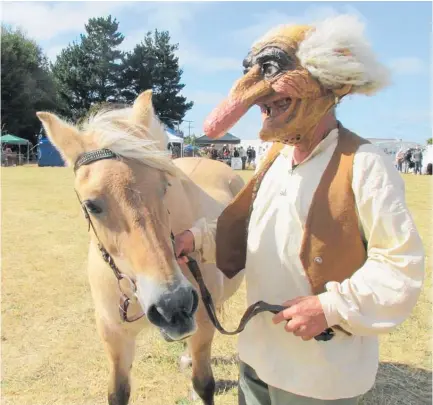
x: 185, y: 362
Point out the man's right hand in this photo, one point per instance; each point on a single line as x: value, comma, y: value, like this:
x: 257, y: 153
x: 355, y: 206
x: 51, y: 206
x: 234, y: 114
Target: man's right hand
x: 183, y: 246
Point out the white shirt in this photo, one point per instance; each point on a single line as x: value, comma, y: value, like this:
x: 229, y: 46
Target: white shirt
x: 376, y: 299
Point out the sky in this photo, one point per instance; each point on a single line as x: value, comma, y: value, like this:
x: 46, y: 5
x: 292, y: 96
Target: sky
x: 214, y: 37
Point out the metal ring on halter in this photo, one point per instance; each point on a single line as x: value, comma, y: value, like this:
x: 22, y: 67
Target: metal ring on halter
x: 131, y: 284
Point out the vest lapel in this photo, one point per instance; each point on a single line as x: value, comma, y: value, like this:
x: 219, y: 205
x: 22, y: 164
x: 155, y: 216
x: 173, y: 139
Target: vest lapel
x: 232, y: 226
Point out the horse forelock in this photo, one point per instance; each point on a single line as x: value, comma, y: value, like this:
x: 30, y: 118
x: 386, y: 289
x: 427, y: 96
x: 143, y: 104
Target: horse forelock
x: 114, y: 129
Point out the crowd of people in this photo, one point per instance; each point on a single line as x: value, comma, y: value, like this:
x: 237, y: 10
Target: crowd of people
x: 410, y: 160
x: 226, y: 153
x: 10, y: 156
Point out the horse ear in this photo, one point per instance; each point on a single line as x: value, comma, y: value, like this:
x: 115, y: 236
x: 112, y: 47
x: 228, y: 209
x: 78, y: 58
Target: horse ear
x: 142, y: 110
x: 63, y: 136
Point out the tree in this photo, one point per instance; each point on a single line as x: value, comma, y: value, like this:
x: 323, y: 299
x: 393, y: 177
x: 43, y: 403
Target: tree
x: 89, y: 72
x: 190, y: 140
x: 153, y: 65
x: 430, y: 141
x: 27, y: 84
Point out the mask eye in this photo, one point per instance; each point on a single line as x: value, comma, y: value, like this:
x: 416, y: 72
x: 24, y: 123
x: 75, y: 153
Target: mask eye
x: 270, y: 69
x: 92, y: 207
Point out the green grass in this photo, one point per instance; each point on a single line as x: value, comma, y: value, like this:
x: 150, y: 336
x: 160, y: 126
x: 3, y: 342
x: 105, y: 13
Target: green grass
x: 50, y: 349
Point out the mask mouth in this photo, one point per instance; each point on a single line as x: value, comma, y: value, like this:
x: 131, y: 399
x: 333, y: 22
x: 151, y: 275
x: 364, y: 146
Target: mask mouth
x: 277, y: 111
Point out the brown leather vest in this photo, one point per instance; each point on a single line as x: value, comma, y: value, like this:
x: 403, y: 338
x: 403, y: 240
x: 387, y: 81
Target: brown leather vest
x: 332, y: 247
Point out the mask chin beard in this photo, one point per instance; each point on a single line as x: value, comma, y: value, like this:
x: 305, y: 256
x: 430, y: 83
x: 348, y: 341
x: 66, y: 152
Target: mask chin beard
x: 300, y: 124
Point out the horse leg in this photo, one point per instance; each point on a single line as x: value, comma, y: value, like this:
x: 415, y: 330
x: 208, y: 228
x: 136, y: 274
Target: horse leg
x: 119, y: 346
x: 200, y: 346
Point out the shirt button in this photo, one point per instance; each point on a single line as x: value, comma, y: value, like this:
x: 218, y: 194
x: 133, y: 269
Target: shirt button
x: 318, y: 260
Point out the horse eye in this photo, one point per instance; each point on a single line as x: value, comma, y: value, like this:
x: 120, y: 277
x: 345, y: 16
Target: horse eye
x: 92, y: 207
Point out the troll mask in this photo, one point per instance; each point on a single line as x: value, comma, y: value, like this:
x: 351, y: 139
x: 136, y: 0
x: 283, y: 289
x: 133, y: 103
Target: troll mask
x: 296, y: 74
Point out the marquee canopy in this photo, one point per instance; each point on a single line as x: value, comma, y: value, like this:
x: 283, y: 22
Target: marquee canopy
x: 228, y: 138
x: 14, y: 140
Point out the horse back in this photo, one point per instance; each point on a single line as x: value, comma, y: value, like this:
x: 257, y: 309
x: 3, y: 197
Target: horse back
x: 211, y: 175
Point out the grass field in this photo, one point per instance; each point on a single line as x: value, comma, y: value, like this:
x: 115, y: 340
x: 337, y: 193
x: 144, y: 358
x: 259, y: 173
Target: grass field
x: 51, y: 354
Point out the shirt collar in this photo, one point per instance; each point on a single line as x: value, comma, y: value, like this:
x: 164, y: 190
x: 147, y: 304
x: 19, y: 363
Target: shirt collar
x: 287, y: 151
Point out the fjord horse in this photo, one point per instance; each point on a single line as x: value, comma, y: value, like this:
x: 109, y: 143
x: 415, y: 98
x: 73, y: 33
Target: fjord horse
x: 135, y: 198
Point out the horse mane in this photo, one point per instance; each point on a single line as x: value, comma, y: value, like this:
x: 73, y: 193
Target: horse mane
x: 112, y: 128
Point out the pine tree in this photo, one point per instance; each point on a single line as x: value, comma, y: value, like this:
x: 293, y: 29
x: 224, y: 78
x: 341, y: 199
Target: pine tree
x: 89, y: 72
x: 153, y: 64
x: 27, y: 84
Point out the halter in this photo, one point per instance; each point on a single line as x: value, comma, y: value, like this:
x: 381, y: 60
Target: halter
x: 87, y: 158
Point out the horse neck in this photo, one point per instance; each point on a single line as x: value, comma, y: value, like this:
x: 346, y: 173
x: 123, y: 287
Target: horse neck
x: 181, y: 200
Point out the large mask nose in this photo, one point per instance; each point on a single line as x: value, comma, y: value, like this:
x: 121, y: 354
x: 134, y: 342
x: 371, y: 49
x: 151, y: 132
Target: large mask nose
x: 173, y: 310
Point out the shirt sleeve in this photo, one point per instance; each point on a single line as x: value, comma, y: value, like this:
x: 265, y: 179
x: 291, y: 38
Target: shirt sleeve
x: 383, y: 292
x: 204, y: 232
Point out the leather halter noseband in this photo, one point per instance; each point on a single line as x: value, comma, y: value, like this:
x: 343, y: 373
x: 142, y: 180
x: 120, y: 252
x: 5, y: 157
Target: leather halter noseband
x: 254, y: 309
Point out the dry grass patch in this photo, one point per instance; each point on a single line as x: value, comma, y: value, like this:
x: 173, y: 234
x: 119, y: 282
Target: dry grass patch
x: 50, y: 349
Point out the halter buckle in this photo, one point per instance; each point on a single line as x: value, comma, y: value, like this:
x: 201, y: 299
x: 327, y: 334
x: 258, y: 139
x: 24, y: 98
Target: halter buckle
x: 132, y: 285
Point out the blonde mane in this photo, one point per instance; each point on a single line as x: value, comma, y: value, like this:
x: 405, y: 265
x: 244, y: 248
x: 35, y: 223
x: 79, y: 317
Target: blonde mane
x: 113, y: 129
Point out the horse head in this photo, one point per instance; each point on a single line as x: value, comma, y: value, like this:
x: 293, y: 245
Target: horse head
x: 124, y: 198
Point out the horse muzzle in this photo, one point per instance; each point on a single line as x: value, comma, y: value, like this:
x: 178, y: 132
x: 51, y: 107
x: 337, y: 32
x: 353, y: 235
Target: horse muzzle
x: 171, y: 308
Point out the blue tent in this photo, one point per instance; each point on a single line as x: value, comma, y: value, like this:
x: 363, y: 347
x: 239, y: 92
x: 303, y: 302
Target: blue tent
x: 190, y: 148
x: 48, y: 154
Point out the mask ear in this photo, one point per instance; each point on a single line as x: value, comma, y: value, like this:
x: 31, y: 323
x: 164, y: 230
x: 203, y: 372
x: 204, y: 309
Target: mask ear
x: 63, y: 136
x: 142, y: 110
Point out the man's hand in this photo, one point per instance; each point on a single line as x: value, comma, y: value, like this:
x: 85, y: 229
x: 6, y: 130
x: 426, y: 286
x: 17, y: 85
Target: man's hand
x: 307, y: 319
x: 183, y: 245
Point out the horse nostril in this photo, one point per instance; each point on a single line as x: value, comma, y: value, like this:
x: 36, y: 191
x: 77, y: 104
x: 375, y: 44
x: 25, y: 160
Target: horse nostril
x: 157, y: 317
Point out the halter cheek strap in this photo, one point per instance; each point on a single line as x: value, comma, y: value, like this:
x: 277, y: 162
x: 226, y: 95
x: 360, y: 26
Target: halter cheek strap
x: 85, y: 159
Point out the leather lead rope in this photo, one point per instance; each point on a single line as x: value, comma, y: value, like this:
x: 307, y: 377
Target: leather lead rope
x: 252, y: 310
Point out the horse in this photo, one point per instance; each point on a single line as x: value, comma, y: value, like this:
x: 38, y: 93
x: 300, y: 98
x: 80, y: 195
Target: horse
x: 135, y: 198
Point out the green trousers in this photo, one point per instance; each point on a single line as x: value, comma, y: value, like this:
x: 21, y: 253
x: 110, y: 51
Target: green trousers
x: 253, y: 391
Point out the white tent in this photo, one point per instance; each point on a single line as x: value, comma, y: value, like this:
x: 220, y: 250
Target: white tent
x: 173, y: 139
x: 427, y: 157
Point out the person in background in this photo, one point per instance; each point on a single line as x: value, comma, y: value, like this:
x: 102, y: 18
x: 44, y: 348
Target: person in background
x: 249, y: 156
x: 213, y: 152
x: 235, y: 152
x: 399, y: 157
x: 407, y: 160
x: 226, y: 152
x: 253, y: 156
x: 417, y: 160
x: 243, y: 155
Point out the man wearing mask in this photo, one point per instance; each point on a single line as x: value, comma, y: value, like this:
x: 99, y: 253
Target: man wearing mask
x: 322, y: 228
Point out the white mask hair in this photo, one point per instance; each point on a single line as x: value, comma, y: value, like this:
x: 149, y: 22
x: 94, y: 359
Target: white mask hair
x: 337, y: 54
